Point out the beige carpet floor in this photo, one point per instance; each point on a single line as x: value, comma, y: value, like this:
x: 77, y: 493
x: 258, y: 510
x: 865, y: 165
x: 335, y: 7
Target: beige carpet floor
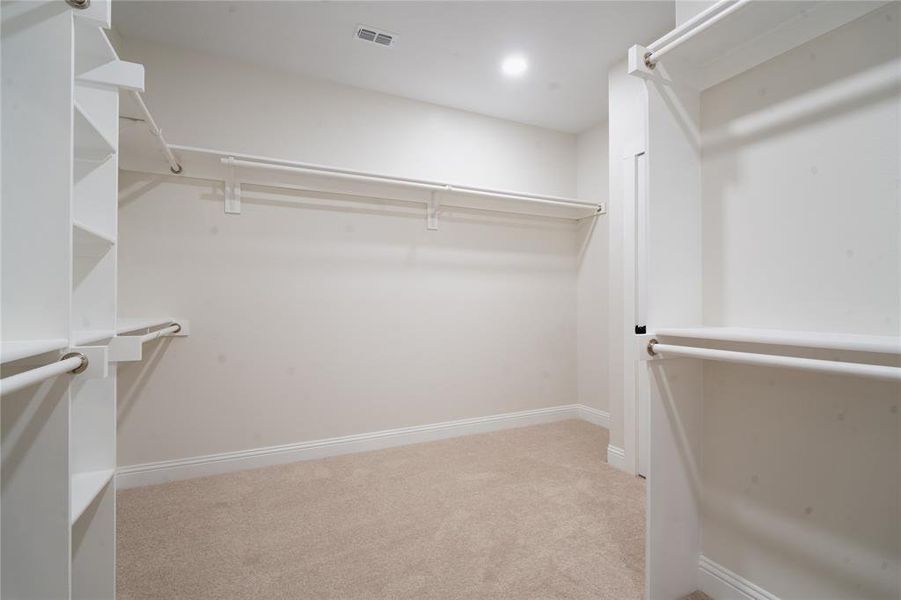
x: 530, y: 513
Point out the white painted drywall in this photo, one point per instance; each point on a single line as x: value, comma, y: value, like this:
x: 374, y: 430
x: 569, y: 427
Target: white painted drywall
x: 801, y: 231
x: 204, y: 100
x: 592, y: 250
x: 315, y: 317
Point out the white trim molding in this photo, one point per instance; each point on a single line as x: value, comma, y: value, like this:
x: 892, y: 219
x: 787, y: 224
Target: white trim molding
x: 214, y: 464
x: 595, y: 416
x: 616, y: 457
x: 718, y: 582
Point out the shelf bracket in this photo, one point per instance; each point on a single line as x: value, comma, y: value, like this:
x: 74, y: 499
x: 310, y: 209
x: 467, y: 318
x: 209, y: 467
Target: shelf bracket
x: 232, y: 189
x: 638, y: 63
x: 434, y: 205
x: 130, y: 348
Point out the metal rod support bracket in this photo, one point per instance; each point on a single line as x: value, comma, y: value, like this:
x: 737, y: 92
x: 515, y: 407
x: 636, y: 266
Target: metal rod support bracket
x: 232, y: 188
x: 84, y: 361
x: 95, y: 361
x: 130, y: 348
x: 434, y: 206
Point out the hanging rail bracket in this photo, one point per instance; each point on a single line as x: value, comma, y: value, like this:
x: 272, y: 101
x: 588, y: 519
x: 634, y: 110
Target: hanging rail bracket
x: 639, y: 62
x: 232, y: 189
x: 434, y: 207
x: 130, y: 348
x: 94, y: 363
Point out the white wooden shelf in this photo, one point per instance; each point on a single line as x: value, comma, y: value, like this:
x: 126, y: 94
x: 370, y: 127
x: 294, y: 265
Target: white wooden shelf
x: 93, y: 48
x: 304, y: 177
x: 17, y: 350
x: 89, y: 241
x: 126, y: 325
x: 90, y: 142
x: 757, y: 32
x: 780, y: 337
x: 115, y: 73
x: 85, y: 488
x: 98, y: 103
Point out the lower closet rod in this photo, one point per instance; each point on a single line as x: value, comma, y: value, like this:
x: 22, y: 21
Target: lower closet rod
x: 881, y: 372
x: 74, y: 362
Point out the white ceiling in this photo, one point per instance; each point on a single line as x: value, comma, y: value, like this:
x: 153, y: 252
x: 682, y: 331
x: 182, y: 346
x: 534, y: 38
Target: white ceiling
x: 448, y: 53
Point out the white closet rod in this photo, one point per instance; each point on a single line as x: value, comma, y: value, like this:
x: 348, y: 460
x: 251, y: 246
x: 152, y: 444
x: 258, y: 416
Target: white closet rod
x: 403, y: 181
x: 149, y: 337
x: 691, y: 28
x: 74, y: 362
x: 881, y: 372
x: 155, y: 130
x: 687, y: 25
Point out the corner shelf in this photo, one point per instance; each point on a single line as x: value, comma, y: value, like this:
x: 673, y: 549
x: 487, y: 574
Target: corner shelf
x: 90, y: 143
x: 93, y: 48
x: 85, y: 488
x: 17, y: 350
x: 88, y: 241
x: 783, y: 337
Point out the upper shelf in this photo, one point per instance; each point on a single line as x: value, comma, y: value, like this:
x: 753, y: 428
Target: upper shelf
x: 92, y: 48
x: 91, y: 143
x: 779, y: 337
x: 276, y: 173
x: 89, y: 241
x: 754, y: 33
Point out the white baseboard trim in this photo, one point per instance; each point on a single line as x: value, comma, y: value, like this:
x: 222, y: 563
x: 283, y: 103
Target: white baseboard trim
x: 720, y: 583
x: 214, y: 464
x: 593, y: 415
x: 616, y: 457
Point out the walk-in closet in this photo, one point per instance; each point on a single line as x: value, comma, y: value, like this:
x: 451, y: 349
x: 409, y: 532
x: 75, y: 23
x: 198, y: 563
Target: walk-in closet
x: 450, y: 299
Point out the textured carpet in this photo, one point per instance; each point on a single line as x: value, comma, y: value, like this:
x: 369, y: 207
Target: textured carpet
x: 530, y: 513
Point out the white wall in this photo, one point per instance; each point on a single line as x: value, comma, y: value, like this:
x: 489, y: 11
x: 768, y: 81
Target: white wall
x: 801, y: 231
x: 203, y: 100
x: 314, y: 318
x: 592, y: 297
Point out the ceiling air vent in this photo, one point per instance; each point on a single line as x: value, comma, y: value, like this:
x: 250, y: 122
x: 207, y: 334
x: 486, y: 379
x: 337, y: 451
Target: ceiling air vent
x: 376, y: 36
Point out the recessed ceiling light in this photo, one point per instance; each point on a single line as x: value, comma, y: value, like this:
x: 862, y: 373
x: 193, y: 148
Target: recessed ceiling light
x: 515, y: 65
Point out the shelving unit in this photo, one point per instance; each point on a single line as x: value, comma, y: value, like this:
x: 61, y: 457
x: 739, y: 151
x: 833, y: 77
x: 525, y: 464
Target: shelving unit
x: 732, y: 452
x: 92, y: 443
x: 60, y: 166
